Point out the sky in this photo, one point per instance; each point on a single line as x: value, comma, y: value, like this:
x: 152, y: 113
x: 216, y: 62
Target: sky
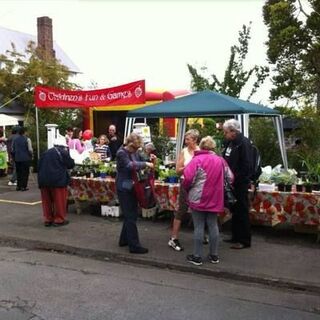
x: 116, y: 42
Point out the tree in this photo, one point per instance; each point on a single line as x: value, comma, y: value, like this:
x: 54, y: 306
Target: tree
x: 21, y: 72
x: 235, y: 76
x: 294, y: 48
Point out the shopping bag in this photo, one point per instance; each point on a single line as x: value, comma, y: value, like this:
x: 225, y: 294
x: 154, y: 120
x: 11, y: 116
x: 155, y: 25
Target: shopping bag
x: 229, y: 197
x: 143, y: 188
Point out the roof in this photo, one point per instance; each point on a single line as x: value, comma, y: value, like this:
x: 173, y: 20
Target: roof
x: 201, y: 104
x: 21, y: 40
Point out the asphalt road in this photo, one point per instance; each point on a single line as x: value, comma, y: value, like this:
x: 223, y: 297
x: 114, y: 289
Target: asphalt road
x: 47, y: 285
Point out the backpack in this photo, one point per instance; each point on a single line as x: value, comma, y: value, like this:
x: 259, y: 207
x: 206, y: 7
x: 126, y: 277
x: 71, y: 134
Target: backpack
x: 256, y: 164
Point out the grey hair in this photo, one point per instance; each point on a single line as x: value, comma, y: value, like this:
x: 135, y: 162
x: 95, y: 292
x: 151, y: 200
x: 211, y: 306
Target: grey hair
x: 207, y: 143
x: 150, y: 146
x: 133, y: 140
x: 193, y: 133
x: 232, y: 125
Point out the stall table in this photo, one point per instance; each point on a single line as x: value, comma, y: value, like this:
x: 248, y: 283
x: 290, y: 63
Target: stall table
x: 267, y: 208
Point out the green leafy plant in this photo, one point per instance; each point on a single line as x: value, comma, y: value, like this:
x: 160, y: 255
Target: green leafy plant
x: 285, y: 177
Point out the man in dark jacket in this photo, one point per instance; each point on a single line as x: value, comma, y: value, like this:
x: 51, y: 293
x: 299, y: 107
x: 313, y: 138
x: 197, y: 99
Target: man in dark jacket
x: 237, y: 153
x: 53, y: 179
x: 114, y: 141
x: 22, y: 154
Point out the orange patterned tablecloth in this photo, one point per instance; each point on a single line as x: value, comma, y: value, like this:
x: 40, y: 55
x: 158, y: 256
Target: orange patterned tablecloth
x: 270, y: 208
x: 103, y: 190
x: 292, y: 207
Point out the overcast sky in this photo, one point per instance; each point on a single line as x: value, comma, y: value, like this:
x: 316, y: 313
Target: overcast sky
x: 115, y: 42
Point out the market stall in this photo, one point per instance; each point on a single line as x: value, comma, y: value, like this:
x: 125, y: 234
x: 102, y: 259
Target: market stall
x: 267, y: 208
x: 209, y: 103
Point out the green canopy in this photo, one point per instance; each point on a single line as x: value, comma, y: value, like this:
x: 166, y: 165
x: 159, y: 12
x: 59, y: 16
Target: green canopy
x: 204, y: 103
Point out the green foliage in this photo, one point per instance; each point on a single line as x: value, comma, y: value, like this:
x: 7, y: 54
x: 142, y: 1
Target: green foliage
x: 294, y: 48
x: 235, y: 77
x: 163, y: 145
x: 20, y: 73
x: 264, y: 136
x: 208, y: 129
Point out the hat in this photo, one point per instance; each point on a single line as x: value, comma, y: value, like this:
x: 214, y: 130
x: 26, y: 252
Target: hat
x: 60, y: 141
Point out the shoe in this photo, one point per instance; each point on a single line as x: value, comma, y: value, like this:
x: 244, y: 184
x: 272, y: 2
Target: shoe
x: 194, y: 260
x: 230, y: 240
x: 175, y: 244
x: 24, y: 189
x: 205, y: 240
x: 239, y: 246
x: 18, y: 189
x: 10, y: 183
x: 60, y: 224
x: 123, y: 244
x: 48, y: 224
x: 213, y: 259
x: 139, y: 250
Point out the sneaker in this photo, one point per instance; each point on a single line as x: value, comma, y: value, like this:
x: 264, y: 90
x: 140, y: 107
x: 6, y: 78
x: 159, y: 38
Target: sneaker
x: 194, y: 260
x: 213, y: 259
x: 175, y: 244
x: 10, y: 183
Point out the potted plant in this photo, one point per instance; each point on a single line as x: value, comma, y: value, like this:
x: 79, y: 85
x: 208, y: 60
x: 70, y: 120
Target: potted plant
x: 103, y: 171
x: 285, y: 179
x: 173, y: 177
x: 312, y: 166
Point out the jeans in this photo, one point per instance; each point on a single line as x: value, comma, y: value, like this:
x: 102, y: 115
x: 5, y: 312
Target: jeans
x: 199, y: 220
x: 129, y: 207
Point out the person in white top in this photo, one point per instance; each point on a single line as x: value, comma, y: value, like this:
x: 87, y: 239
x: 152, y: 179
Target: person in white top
x: 191, y: 138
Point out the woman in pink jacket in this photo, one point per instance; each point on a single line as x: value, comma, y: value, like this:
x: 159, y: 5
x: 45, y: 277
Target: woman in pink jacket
x: 204, y: 182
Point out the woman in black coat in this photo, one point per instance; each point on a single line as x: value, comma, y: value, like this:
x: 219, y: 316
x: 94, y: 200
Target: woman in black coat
x: 129, y: 159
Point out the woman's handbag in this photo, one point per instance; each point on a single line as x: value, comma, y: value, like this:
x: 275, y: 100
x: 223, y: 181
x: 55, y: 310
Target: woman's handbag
x: 144, y: 189
x: 229, y: 197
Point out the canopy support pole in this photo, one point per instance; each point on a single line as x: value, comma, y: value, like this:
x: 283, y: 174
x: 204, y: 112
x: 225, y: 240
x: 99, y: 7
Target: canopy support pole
x: 278, y: 120
x: 37, y: 130
x: 182, y: 125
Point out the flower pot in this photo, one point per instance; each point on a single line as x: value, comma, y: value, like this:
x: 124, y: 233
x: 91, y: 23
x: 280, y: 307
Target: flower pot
x: 299, y: 188
x: 172, y: 179
x: 281, y: 187
x: 308, y: 188
x: 103, y: 175
x: 316, y: 187
x: 287, y: 187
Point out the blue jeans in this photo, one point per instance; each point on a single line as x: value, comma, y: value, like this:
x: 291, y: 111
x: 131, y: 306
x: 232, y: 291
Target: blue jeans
x: 129, y: 207
x: 199, y: 220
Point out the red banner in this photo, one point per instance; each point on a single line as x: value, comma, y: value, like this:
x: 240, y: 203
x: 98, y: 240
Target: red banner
x: 130, y: 93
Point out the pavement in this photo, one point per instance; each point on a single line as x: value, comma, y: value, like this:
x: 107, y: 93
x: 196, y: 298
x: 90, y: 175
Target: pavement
x: 278, y: 257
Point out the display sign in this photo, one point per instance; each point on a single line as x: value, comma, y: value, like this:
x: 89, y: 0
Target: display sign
x: 130, y: 93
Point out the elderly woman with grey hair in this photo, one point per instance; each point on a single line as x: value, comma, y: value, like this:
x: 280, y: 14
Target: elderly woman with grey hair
x: 204, y: 182
x: 128, y: 160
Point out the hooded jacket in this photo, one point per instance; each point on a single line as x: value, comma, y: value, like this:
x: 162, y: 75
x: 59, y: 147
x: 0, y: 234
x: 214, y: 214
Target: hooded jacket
x: 204, y: 181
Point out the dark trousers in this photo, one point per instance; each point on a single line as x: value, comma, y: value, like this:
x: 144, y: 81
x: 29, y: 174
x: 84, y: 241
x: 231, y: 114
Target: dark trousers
x: 240, y: 216
x: 23, y: 168
x: 129, y: 207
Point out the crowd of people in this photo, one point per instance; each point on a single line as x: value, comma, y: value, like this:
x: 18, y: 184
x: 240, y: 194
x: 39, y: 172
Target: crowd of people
x: 202, y: 176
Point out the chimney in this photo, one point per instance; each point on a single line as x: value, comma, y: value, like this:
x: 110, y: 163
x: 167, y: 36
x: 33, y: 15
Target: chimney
x: 45, y: 37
